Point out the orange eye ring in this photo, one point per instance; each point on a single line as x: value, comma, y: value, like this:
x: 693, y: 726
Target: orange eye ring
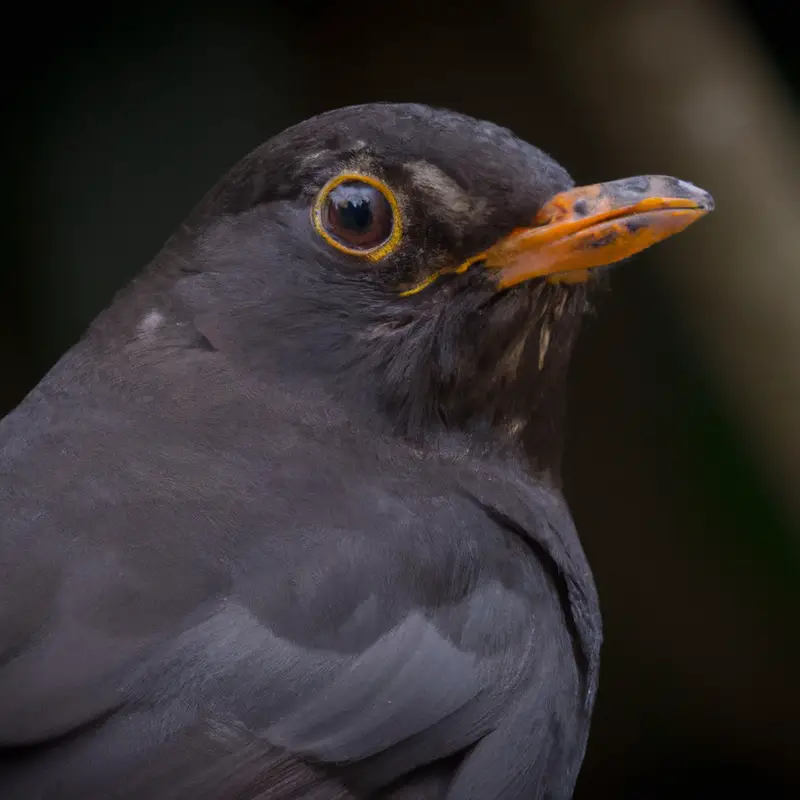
x: 320, y: 211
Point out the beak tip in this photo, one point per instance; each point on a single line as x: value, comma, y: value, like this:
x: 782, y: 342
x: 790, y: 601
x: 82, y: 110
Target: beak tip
x: 704, y: 200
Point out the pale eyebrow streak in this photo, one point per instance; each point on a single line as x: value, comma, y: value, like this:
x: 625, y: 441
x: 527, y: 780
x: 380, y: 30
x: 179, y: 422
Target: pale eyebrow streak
x: 150, y: 323
x: 452, y: 201
x: 312, y: 158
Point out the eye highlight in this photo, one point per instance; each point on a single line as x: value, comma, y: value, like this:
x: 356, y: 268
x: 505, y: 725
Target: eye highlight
x: 359, y: 215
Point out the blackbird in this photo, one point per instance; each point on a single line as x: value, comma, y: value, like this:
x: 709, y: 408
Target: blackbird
x: 286, y: 522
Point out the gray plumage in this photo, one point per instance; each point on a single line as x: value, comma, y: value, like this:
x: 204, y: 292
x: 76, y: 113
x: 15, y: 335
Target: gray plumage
x: 268, y: 529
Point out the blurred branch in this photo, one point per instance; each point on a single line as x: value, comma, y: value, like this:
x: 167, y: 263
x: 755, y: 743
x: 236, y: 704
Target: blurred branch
x: 682, y: 87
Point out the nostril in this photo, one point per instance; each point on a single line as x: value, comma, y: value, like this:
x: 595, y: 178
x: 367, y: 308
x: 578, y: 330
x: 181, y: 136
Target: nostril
x: 639, y: 184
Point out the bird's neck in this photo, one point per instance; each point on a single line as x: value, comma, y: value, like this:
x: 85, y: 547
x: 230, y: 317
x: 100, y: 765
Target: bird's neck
x: 403, y: 377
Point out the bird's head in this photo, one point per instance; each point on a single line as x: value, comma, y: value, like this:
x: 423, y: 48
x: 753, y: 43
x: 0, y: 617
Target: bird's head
x: 431, y: 266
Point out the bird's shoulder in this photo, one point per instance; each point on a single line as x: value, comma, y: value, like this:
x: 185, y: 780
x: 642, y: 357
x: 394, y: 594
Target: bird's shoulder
x: 380, y: 603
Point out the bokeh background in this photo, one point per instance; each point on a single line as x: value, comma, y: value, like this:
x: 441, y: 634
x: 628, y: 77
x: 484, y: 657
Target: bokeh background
x: 683, y: 466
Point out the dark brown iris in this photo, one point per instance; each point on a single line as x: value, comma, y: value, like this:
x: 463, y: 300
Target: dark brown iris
x: 358, y: 215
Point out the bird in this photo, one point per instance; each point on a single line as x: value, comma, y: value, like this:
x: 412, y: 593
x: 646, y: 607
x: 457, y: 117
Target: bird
x: 287, y: 521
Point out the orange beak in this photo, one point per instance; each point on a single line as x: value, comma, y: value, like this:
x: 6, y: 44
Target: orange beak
x: 591, y: 226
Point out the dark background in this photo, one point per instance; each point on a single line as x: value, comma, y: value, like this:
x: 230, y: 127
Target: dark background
x: 116, y: 122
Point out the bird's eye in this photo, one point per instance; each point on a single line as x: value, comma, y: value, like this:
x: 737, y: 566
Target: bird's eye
x: 358, y: 216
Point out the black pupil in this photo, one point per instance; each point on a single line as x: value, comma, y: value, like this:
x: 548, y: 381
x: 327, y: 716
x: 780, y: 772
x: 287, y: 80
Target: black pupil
x: 354, y: 208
